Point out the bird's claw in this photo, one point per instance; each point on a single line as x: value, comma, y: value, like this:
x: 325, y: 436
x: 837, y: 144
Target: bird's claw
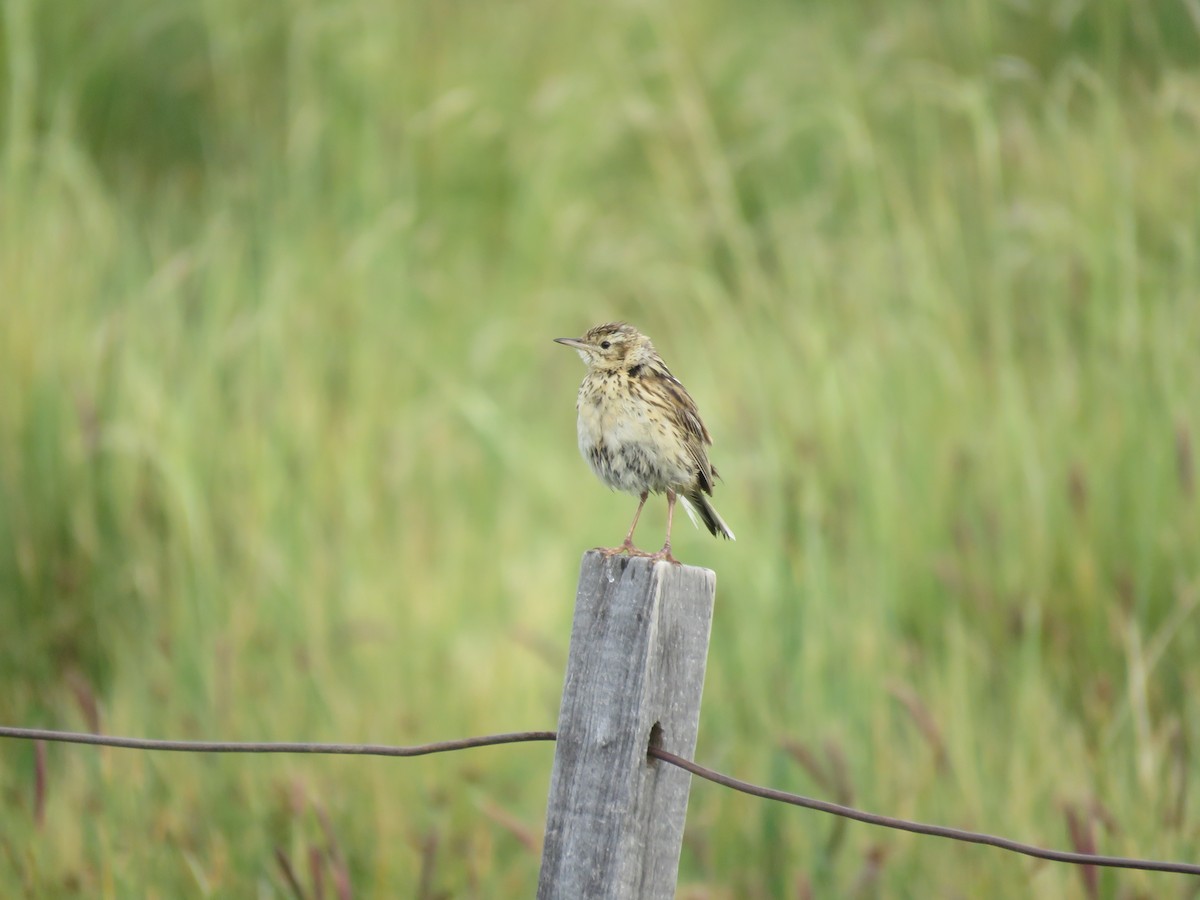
x: 665, y: 556
x: 626, y: 548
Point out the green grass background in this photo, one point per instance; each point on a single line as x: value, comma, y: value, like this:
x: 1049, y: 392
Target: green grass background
x: 286, y: 452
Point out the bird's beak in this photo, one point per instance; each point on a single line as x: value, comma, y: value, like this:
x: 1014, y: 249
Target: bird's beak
x: 573, y: 343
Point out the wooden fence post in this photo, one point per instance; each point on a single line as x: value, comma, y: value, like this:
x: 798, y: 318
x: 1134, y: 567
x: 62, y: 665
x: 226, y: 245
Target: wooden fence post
x: 635, y: 674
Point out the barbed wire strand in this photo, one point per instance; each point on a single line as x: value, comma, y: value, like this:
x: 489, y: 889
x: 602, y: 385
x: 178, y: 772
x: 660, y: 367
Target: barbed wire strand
x: 942, y: 831
x: 125, y: 743
x: 766, y: 793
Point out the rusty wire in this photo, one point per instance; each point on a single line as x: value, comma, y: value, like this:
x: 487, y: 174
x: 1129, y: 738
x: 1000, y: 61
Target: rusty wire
x: 766, y: 793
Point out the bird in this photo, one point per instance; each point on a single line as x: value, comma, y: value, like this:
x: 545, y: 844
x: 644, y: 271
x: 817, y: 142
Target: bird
x: 640, y: 431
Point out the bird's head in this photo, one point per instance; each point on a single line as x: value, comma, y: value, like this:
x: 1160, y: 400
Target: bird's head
x: 615, y: 345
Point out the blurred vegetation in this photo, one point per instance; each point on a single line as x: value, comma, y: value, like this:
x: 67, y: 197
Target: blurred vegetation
x: 286, y: 453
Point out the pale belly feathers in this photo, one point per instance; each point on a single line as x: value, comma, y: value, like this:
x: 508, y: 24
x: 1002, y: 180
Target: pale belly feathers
x: 635, y: 450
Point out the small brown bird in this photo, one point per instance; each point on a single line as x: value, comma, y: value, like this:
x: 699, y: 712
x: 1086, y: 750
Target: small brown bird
x: 639, y: 429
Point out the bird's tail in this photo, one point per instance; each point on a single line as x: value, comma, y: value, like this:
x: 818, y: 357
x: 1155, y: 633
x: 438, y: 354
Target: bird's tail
x: 699, y: 506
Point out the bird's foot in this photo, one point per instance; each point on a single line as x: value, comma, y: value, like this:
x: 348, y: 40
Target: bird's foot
x: 626, y: 548
x: 665, y: 555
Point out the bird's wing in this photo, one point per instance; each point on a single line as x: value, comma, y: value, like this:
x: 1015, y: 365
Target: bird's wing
x: 684, y: 414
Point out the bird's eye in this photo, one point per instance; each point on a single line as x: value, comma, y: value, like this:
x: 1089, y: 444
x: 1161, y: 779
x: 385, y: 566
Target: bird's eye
x: 604, y: 345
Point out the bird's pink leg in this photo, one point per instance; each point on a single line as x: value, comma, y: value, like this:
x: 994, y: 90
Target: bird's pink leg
x: 665, y: 552
x: 627, y: 546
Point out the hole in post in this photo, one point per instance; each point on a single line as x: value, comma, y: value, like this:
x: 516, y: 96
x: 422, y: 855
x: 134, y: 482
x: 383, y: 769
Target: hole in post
x: 655, y: 742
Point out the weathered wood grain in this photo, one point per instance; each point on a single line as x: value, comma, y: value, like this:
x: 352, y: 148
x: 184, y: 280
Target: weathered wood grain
x: 639, y: 642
